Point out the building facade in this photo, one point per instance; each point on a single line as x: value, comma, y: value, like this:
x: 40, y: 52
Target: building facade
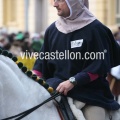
x: 24, y: 15
x: 36, y: 15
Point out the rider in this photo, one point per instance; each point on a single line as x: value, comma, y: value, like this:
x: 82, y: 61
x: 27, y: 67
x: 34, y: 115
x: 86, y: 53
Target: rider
x: 69, y: 58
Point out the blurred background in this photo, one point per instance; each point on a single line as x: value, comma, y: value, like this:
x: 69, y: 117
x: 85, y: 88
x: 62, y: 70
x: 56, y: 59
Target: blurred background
x: 23, y: 23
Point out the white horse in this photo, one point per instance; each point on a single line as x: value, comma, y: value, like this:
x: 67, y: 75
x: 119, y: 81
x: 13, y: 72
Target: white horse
x: 19, y: 93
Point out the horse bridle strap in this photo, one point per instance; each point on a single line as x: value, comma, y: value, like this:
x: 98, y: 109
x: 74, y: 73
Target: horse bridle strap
x: 27, y: 112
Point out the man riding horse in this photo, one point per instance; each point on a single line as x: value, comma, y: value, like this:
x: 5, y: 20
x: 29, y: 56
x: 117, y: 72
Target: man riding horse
x: 83, y: 77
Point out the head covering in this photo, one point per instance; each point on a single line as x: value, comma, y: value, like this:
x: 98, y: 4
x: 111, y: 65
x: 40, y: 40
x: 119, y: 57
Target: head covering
x: 79, y: 17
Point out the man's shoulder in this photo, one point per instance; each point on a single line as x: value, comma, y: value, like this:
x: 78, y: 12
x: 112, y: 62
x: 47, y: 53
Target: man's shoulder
x: 100, y: 26
x: 52, y: 26
x: 51, y: 30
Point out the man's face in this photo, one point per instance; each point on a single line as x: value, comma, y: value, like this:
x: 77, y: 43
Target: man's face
x: 62, y: 8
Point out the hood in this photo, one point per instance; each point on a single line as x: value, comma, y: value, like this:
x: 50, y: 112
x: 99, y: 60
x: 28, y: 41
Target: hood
x: 76, y: 8
x: 80, y: 16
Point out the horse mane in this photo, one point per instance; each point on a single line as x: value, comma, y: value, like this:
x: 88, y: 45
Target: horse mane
x: 23, y: 68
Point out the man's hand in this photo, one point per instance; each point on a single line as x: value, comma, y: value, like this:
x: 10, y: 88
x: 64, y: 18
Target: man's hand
x: 64, y: 87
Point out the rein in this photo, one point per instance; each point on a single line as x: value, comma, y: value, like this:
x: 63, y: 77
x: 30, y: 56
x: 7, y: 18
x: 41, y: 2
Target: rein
x: 27, y: 112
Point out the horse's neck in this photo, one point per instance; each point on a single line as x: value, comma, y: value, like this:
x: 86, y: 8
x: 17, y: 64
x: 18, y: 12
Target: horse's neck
x: 20, y: 77
x: 20, y: 92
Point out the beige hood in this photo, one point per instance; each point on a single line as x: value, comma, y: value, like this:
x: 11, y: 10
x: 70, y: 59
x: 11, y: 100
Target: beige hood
x: 79, y: 17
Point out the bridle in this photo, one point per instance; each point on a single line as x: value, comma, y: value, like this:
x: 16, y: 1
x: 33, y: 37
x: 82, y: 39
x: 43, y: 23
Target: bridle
x: 27, y: 112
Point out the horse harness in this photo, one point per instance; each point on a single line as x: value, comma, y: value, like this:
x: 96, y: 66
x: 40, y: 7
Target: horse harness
x: 27, y: 112
x: 63, y: 109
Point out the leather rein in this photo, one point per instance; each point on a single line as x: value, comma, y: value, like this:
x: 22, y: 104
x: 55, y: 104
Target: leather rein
x: 27, y: 112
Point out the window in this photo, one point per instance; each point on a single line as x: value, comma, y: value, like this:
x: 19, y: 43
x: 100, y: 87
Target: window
x: 118, y: 11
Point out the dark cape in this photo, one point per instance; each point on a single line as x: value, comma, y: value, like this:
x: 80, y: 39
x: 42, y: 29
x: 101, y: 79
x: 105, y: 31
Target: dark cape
x: 96, y: 38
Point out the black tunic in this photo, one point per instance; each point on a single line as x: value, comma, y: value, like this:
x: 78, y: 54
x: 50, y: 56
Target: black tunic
x: 94, y: 37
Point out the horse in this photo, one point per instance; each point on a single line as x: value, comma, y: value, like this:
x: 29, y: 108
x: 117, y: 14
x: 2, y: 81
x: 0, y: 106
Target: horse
x: 18, y: 93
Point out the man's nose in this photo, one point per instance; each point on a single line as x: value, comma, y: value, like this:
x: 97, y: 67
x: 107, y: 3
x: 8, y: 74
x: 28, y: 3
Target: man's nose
x: 55, y: 4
